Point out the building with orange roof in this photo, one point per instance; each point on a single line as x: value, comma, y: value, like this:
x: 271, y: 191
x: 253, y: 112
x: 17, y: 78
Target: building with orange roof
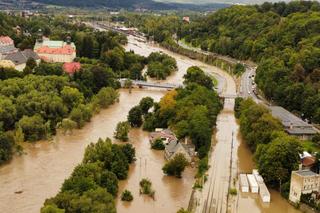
x: 55, y: 51
x: 6, y: 46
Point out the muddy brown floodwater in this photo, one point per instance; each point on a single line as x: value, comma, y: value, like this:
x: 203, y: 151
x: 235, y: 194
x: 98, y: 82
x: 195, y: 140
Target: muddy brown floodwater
x: 27, y: 180
x: 252, y: 202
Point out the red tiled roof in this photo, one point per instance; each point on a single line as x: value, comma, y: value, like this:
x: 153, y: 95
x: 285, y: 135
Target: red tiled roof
x: 66, y: 50
x: 6, y: 40
x: 71, y: 67
x: 308, y: 161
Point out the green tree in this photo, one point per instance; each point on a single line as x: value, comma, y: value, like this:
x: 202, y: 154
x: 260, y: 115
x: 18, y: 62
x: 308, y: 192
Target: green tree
x: 176, y: 165
x: 6, y: 147
x: 8, y: 112
x: 126, y: 196
x: 71, y: 97
x: 145, y: 104
x: 51, y: 209
x: 197, y: 75
x: 33, y: 127
x: 277, y: 159
x: 67, y: 125
x: 135, y: 116
x: 122, y: 131
x: 158, y: 144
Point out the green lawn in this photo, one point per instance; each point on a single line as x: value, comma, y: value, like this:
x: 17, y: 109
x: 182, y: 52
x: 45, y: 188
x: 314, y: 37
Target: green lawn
x: 310, y: 146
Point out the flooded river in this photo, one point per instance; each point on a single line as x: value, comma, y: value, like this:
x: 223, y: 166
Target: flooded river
x: 40, y: 173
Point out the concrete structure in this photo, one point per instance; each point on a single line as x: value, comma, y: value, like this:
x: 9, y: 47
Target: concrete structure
x: 303, y: 182
x: 292, y: 124
x: 20, y: 58
x: 264, y: 193
x: 254, y: 187
x: 55, y: 51
x: 6, y: 46
x: 244, y: 185
x: 149, y: 84
x: 263, y: 190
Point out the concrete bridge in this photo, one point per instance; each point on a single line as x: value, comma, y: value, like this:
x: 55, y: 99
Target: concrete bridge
x: 229, y: 96
x: 140, y: 83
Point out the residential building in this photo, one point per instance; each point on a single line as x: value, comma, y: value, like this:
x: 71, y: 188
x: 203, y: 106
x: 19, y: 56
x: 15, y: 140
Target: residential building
x: 165, y: 134
x: 6, y: 46
x: 292, y: 124
x: 303, y: 182
x: 20, y: 58
x: 172, y: 145
x: 175, y: 147
x: 55, y: 51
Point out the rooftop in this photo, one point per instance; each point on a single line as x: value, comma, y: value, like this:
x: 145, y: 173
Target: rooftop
x: 293, y: 124
x: 5, y: 40
x: 305, y: 173
x: 22, y: 57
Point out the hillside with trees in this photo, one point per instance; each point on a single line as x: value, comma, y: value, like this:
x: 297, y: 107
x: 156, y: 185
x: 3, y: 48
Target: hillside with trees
x: 282, y: 38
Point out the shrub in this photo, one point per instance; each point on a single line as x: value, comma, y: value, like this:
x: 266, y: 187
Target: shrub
x: 126, y: 196
x: 158, y: 144
x: 176, y: 165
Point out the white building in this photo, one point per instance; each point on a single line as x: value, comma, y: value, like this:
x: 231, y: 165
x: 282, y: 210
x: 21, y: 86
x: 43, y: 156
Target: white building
x: 55, y: 51
x: 303, y: 182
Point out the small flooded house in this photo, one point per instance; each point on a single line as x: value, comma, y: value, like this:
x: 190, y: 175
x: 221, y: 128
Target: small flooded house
x: 172, y: 145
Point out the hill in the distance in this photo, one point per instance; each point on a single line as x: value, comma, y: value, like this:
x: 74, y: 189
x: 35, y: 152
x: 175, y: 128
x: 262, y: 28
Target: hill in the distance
x: 133, y: 4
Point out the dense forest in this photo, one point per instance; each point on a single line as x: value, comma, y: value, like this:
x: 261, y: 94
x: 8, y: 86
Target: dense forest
x: 282, y: 38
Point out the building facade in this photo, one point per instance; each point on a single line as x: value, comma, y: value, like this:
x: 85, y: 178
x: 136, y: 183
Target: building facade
x: 20, y: 58
x: 6, y: 46
x: 55, y: 51
x: 303, y: 182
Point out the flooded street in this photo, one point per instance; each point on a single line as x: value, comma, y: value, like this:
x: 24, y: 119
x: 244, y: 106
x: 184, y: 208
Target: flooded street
x: 40, y: 173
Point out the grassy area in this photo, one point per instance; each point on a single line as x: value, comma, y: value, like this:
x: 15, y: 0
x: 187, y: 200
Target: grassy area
x: 310, y: 146
x: 188, y: 44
